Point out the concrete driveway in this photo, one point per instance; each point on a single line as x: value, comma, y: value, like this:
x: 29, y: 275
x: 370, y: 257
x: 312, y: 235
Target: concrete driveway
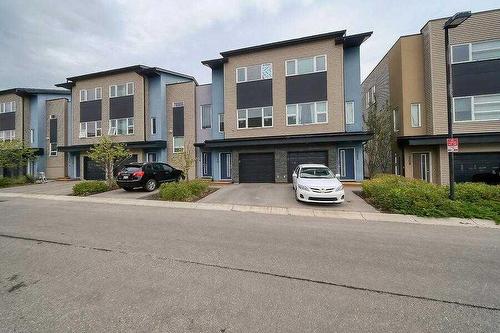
x: 53, y: 187
x: 281, y: 195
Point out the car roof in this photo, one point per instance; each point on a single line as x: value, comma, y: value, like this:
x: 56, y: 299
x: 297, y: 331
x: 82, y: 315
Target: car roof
x: 313, y: 165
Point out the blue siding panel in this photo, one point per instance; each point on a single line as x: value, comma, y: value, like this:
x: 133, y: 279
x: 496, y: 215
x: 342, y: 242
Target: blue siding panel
x: 352, y: 86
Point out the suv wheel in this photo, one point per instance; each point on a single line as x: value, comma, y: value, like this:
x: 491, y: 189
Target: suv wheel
x: 150, y: 185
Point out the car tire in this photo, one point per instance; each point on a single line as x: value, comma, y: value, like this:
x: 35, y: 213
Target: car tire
x: 150, y: 185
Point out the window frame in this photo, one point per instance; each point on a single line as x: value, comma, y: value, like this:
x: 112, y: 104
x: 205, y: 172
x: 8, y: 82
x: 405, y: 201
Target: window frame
x: 470, y: 45
x: 223, y: 124
x: 174, y: 147
x: 419, y: 115
x: 353, y: 113
x: 10, y: 137
x: 245, y: 70
x: 315, y: 66
x: 315, y: 114
x: 127, y: 93
x: 83, y: 92
x: 209, y: 117
x: 97, y: 89
x: 473, y: 111
x: 113, y: 129
x: 395, y: 120
x: 154, y: 126
x: 98, y: 129
x: 262, y: 117
x: 32, y: 135
x: 52, y: 152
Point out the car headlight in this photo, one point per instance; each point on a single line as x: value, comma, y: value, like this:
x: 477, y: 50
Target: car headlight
x: 303, y: 187
x: 339, y: 188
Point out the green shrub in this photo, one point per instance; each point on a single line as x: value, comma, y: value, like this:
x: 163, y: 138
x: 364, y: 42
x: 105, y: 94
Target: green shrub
x: 89, y: 187
x: 183, y: 191
x: 402, y: 195
x: 13, y: 181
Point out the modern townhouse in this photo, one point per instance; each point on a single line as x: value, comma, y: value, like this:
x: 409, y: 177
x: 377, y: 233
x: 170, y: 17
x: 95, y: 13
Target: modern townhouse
x: 33, y: 116
x: 149, y: 109
x: 280, y: 104
x: 411, y: 78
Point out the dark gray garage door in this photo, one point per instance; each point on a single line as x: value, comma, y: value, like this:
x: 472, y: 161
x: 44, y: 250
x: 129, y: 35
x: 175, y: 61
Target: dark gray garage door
x: 305, y: 157
x: 477, y: 167
x: 257, y: 168
x: 92, y: 171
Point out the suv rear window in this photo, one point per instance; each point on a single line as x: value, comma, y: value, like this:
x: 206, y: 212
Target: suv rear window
x: 131, y: 168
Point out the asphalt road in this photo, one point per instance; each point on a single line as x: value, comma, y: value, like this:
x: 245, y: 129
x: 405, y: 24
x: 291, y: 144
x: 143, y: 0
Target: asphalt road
x: 103, y: 268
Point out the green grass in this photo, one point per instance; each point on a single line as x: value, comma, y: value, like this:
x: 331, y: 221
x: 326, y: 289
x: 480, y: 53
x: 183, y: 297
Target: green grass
x: 15, y: 181
x: 402, y: 195
x: 190, y: 190
x: 90, y: 187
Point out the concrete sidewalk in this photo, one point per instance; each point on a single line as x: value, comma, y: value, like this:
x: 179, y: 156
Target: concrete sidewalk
x: 355, y: 216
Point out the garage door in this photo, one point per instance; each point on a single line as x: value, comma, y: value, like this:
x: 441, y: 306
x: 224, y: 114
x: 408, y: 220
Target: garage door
x: 257, y: 168
x: 92, y: 171
x: 477, y: 167
x: 305, y: 157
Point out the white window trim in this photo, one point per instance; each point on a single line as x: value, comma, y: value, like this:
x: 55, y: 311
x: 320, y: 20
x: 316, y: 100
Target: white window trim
x: 261, y: 70
x: 429, y: 162
x: 201, y: 117
x: 127, y: 93
x: 470, y: 51
x: 419, y: 114
x: 83, y: 95
x: 86, y: 127
x: 218, y: 118
x: 473, y: 111
x: 11, y: 135
x: 246, y: 118
x: 96, y: 89
x: 52, y: 152
x: 315, y: 70
x: 114, y: 132
x: 353, y: 113
x: 174, y: 147
x: 394, y: 121
x: 315, y: 114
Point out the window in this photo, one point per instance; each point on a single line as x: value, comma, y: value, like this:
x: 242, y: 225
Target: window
x: 53, y: 149
x: 475, y: 51
x: 83, y: 95
x: 32, y: 135
x: 254, y: 73
x: 178, y: 144
x: 255, y: 117
x: 7, y: 135
x: 306, y: 113
x: 206, y: 116
x: 151, y: 157
x: 476, y: 108
x: 349, y: 112
x: 98, y: 93
x: 370, y: 97
x: 397, y: 170
x: 416, y: 116
x: 305, y: 65
x: 90, y: 95
x: 204, y: 163
x: 395, y: 120
x: 123, y: 126
x: 221, y: 122
x: 153, y: 125
x: 121, y: 90
x: 90, y: 129
x: 8, y: 107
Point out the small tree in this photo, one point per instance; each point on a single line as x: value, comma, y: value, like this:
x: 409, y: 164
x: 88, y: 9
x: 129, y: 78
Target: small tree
x: 15, y: 155
x: 379, y: 149
x: 186, y: 159
x: 105, y: 154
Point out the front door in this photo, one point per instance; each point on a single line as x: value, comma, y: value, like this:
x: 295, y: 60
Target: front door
x: 422, y: 166
x: 346, y: 163
x: 225, y: 165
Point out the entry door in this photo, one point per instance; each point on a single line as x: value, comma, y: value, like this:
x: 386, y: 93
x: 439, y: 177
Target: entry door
x: 422, y: 166
x: 225, y: 165
x: 346, y: 163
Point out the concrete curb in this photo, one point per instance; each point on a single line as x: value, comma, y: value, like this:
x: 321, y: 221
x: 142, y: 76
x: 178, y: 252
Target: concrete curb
x: 357, y: 216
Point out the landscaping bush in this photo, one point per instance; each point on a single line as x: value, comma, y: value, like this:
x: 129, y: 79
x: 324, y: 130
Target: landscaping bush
x: 13, y: 181
x: 183, y: 191
x: 402, y: 195
x: 90, y: 187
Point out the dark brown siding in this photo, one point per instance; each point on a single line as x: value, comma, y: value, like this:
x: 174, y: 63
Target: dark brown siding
x: 90, y: 111
x: 306, y: 88
x: 121, y: 107
x: 254, y: 94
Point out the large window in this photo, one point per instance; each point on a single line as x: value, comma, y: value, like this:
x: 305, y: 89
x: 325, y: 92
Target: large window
x: 123, y: 126
x: 206, y: 116
x: 476, y: 108
x: 90, y: 129
x: 305, y: 65
x: 254, y: 73
x: 178, y: 144
x: 255, y: 117
x: 8, y: 107
x: 221, y: 122
x: 370, y: 97
x: 90, y: 94
x: 121, y: 90
x: 307, y: 113
x: 7, y: 135
x: 349, y: 112
x: 475, y: 51
x: 416, y: 115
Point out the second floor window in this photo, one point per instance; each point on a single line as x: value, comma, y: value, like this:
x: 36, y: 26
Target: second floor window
x: 178, y: 144
x: 475, y: 51
x: 90, y: 94
x: 119, y: 90
x: 254, y: 73
x: 123, y: 126
x: 221, y: 122
x: 307, y: 113
x: 8, y: 107
x: 349, y: 112
x: 255, y: 117
x: 7, y: 135
x: 476, y: 108
x: 32, y: 135
x: 90, y: 129
x: 305, y: 65
x: 395, y: 120
x: 370, y: 97
x: 206, y: 116
x: 416, y: 116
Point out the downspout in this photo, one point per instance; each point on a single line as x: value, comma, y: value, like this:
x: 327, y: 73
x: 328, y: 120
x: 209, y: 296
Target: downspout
x: 144, y: 104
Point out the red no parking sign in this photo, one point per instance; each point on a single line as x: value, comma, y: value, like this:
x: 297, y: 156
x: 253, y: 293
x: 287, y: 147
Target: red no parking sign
x: 452, y: 145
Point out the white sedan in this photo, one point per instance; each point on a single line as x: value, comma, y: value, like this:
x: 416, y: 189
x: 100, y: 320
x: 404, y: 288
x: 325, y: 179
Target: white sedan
x: 317, y: 183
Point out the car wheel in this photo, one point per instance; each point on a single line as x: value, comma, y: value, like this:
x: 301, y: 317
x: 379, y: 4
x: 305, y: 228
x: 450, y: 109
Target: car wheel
x: 150, y: 185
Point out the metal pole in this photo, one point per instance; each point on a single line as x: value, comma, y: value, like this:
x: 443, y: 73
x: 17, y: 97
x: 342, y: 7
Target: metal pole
x: 450, y: 116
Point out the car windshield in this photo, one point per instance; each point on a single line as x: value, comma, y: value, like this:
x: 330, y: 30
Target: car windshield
x: 315, y: 172
x: 131, y: 168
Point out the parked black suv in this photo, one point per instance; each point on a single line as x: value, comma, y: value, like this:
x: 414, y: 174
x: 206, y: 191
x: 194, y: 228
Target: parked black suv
x: 147, y: 175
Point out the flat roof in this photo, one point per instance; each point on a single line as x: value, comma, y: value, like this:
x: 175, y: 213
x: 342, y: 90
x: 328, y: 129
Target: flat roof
x: 35, y: 91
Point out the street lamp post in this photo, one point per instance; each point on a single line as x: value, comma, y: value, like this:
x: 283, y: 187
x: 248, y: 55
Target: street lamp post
x: 451, y: 23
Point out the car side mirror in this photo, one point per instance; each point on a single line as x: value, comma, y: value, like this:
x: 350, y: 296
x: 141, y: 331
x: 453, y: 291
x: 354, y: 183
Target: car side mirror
x: 337, y: 175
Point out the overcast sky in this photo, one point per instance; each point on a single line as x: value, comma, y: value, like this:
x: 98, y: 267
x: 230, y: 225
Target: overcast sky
x: 43, y: 42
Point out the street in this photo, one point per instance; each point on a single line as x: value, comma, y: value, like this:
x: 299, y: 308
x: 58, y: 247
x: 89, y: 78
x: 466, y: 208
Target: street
x: 67, y: 266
